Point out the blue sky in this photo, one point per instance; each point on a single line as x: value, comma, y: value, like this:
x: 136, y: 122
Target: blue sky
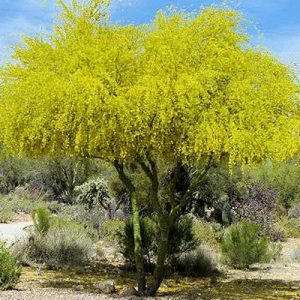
x: 277, y: 20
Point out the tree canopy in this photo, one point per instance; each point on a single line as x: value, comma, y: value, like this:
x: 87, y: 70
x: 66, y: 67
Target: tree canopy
x: 179, y: 89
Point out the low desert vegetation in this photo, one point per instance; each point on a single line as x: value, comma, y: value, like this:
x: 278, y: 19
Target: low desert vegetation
x: 10, y: 268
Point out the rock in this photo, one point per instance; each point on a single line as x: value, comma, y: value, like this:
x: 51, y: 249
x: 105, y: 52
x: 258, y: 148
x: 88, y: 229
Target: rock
x: 128, y: 291
x: 78, y: 287
x: 106, y: 287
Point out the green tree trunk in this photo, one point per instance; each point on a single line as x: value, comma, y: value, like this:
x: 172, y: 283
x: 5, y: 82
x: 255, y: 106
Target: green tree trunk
x: 159, y: 271
x: 137, y: 235
x: 139, y: 262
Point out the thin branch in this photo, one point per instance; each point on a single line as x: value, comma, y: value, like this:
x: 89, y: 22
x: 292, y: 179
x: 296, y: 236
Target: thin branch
x: 173, y: 185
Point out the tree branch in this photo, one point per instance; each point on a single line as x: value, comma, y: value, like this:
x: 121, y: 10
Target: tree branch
x: 123, y: 177
x: 151, y: 173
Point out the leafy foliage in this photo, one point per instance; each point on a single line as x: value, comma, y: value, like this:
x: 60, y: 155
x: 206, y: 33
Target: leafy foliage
x: 243, y: 245
x: 207, y: 232
x: 10, y: 269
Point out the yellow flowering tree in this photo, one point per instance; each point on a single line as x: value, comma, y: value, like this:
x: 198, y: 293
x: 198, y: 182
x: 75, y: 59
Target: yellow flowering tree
x: 183, y: 90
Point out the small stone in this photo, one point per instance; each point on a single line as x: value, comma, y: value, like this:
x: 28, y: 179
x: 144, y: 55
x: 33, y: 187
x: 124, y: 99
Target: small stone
x: 106, y: 287
x: 78, y: 287
x: 128, y: 291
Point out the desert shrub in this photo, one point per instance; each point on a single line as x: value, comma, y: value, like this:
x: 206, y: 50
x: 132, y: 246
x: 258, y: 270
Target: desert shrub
x: 6, y: 211
x: 55, y: 207
x: 65, y: 242
x: 95, y: 194
x: 10, y: 269
x: 13, y: 172
x: 290, y: 227
x: 41, y: 218
x: 207, y: 232
x: 258, y: 205
x: 213, y: 193
x: 294, y: 212
x: 21, y: 249
x: 58, y: 176
x: 283, y: 177
x: 243, y: 245
x: 80, y: 214
x: 110, y: 229
x: 181, y: 239
x: 148, y: 233
x: 197, y: 263
x: 14, y: 203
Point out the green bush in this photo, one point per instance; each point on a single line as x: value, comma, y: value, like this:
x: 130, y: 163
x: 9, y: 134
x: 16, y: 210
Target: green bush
x: 41, y: 218
x: 197, y: 263
x: 181, y: 239
x: 243, y: 246
x: 13, y: 172
x: 110, y: 230
x: 10, y: 269
x: 65, y: 242
x: 207, y: 232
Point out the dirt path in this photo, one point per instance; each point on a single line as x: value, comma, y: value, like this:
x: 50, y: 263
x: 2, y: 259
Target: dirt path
x: 11, y: 232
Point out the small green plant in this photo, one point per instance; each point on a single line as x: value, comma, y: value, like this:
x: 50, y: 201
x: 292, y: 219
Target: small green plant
x: 41, y: 218
x: 10, y: 269
x: 243, y: 245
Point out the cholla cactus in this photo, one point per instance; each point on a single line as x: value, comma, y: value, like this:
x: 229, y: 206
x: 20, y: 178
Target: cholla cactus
x: 93, y: 193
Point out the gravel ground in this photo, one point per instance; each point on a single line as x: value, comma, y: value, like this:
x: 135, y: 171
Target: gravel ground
x: 53, y: 294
